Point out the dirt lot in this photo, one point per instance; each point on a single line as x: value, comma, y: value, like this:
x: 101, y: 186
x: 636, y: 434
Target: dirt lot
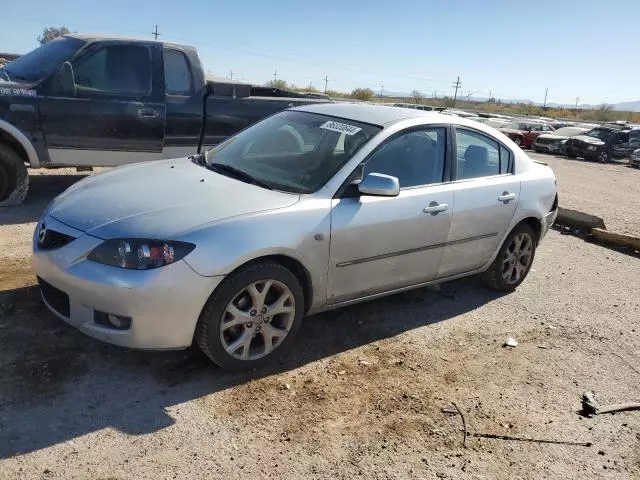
x: 610, y: 191
x: 362, y: 393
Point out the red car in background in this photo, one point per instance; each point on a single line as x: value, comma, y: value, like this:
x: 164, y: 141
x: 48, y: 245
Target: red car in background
x: 524, y: 133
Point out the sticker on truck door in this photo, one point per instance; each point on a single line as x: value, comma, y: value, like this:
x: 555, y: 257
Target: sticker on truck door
x: 340, y: 127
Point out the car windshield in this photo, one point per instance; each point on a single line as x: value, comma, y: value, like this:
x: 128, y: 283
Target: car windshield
x: 599, y: 133
x: 42, y: 62
x: 569, y: 131
x: 293, y: 151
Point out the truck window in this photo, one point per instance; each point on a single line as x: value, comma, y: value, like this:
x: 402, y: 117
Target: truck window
x: 115, y: 69
x: 177, y: 77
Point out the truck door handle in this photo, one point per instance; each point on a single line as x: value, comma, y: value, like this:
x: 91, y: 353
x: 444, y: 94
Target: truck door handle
x: 506, y: 197
x: 435, y: 208
x: 148, y: 113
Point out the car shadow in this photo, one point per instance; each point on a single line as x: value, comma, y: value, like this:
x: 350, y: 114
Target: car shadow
x: 42, y: 189
x: 58, y: 384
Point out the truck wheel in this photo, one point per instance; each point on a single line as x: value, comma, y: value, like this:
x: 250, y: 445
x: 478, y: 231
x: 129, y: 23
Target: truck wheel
x: 14, y: 178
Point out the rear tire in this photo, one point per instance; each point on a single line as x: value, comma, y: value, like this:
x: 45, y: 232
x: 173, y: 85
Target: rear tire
x: 572, y: 154
x: 233, y: 326
x: 14, y: 177
x: 513, y: 262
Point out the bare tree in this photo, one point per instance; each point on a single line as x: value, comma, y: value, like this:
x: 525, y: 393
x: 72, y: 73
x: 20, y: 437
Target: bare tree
x: 418, y: 97
x: 279, y: 83
x: 49, y: 33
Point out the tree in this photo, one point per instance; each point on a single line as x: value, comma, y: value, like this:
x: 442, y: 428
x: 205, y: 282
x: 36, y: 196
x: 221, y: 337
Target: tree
x: 50, y: 33
x: 417, y: 96
x: 281, y: 84
x: 362, y: 94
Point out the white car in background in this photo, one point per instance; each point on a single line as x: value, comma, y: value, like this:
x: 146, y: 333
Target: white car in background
x: 554, y: 142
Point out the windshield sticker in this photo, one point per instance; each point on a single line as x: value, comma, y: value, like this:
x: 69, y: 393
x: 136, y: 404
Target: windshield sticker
x: 17, y: 92
x: 340, y: 127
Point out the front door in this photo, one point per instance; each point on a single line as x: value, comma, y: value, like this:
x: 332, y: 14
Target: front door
x: 117, y: 114
x: 485, y: 197
x: 383, y: 243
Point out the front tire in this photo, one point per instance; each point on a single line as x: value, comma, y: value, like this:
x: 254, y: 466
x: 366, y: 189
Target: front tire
x: 14, y: 178
x: 571, y: 153
x: 253, y: 315
x: 603, y: 157
x: 514, y: 260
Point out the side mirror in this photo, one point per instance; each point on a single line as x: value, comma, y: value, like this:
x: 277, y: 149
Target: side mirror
x: 379, y: 185
x: 67, y: 80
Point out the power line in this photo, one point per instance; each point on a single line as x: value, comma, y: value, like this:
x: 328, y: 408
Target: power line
x: 155, y: 33
x: 457, y: 85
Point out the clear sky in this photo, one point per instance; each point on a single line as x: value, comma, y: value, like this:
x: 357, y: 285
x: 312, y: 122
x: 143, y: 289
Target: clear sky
x: 514, y: 49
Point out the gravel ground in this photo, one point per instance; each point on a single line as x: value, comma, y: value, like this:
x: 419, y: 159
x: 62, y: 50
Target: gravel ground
x: 361, y: 394
x: 610, y: 191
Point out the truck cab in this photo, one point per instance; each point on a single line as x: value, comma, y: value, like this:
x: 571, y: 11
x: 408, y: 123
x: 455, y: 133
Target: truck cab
x: 85, y: 101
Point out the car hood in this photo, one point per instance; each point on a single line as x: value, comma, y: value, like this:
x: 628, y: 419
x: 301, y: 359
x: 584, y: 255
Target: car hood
x: 160, y: 200
x: 588, y: 139
x: 510, y: 130
x: 552, y: 136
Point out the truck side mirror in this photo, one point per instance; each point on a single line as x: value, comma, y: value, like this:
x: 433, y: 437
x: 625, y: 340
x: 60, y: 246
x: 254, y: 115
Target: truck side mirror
x: 67, y: 80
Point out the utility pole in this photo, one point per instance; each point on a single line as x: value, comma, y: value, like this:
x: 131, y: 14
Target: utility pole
x: 577, y: 100
x: 275, y: 76
x: 381, y: 89
x: 469, y: 93
x: 490, y: 96
x: 155, y: 33
x: 545, y: 98
x: 326, y: 81
x: 457, y: 85
x: 231, y: 74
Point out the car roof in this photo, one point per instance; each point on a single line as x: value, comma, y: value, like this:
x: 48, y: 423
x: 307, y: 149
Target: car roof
x: 381, y: 115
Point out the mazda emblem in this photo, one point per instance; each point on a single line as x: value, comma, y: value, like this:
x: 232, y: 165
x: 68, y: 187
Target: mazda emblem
x: 42, y: 233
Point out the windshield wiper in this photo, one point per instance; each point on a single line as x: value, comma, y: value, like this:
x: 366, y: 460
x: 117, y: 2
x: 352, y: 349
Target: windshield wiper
x: 233, y: 172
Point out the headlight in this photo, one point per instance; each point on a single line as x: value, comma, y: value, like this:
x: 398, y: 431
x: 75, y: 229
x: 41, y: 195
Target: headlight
x: 139, y: 253
x: 591, y: 148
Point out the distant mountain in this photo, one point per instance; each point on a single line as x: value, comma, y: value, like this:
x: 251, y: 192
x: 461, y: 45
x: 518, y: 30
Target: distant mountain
x: 620, y: 107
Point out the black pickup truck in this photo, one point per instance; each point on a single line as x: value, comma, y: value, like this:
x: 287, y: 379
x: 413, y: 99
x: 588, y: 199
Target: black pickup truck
x: 86, y: 101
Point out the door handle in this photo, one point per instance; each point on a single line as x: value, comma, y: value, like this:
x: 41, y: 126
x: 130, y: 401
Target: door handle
x: 148, y: 113
x: 506, y: 197
x: 435, y: 208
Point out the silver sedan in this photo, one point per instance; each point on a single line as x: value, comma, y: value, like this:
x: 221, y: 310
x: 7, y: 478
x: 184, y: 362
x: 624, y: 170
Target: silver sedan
x: 311, y: 209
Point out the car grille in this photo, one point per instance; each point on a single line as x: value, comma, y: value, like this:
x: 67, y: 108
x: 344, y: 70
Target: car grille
x: 56, y: 299
x: 53, y: 239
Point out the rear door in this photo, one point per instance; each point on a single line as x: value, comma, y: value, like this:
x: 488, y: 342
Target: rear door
x: 118, y: 112
x: 621, y: 147
x: 485, y: 197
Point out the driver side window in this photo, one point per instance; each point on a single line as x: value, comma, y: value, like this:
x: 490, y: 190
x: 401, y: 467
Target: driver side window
x: 415, y: 158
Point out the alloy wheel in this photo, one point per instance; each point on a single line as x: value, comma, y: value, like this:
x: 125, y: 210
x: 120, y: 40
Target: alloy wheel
x: 257, y: 320
x: 603, y: 157
x: 517, y: 258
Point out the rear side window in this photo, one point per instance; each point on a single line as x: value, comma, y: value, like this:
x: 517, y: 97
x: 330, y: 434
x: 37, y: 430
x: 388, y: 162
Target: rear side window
x: 477, y: 155
x: 177, y: 76
x: 117, y: 69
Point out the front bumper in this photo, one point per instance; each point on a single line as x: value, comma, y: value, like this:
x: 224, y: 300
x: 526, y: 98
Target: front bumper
x: 548, y: 147
x: 164, y: 303
x: 634, y: 161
